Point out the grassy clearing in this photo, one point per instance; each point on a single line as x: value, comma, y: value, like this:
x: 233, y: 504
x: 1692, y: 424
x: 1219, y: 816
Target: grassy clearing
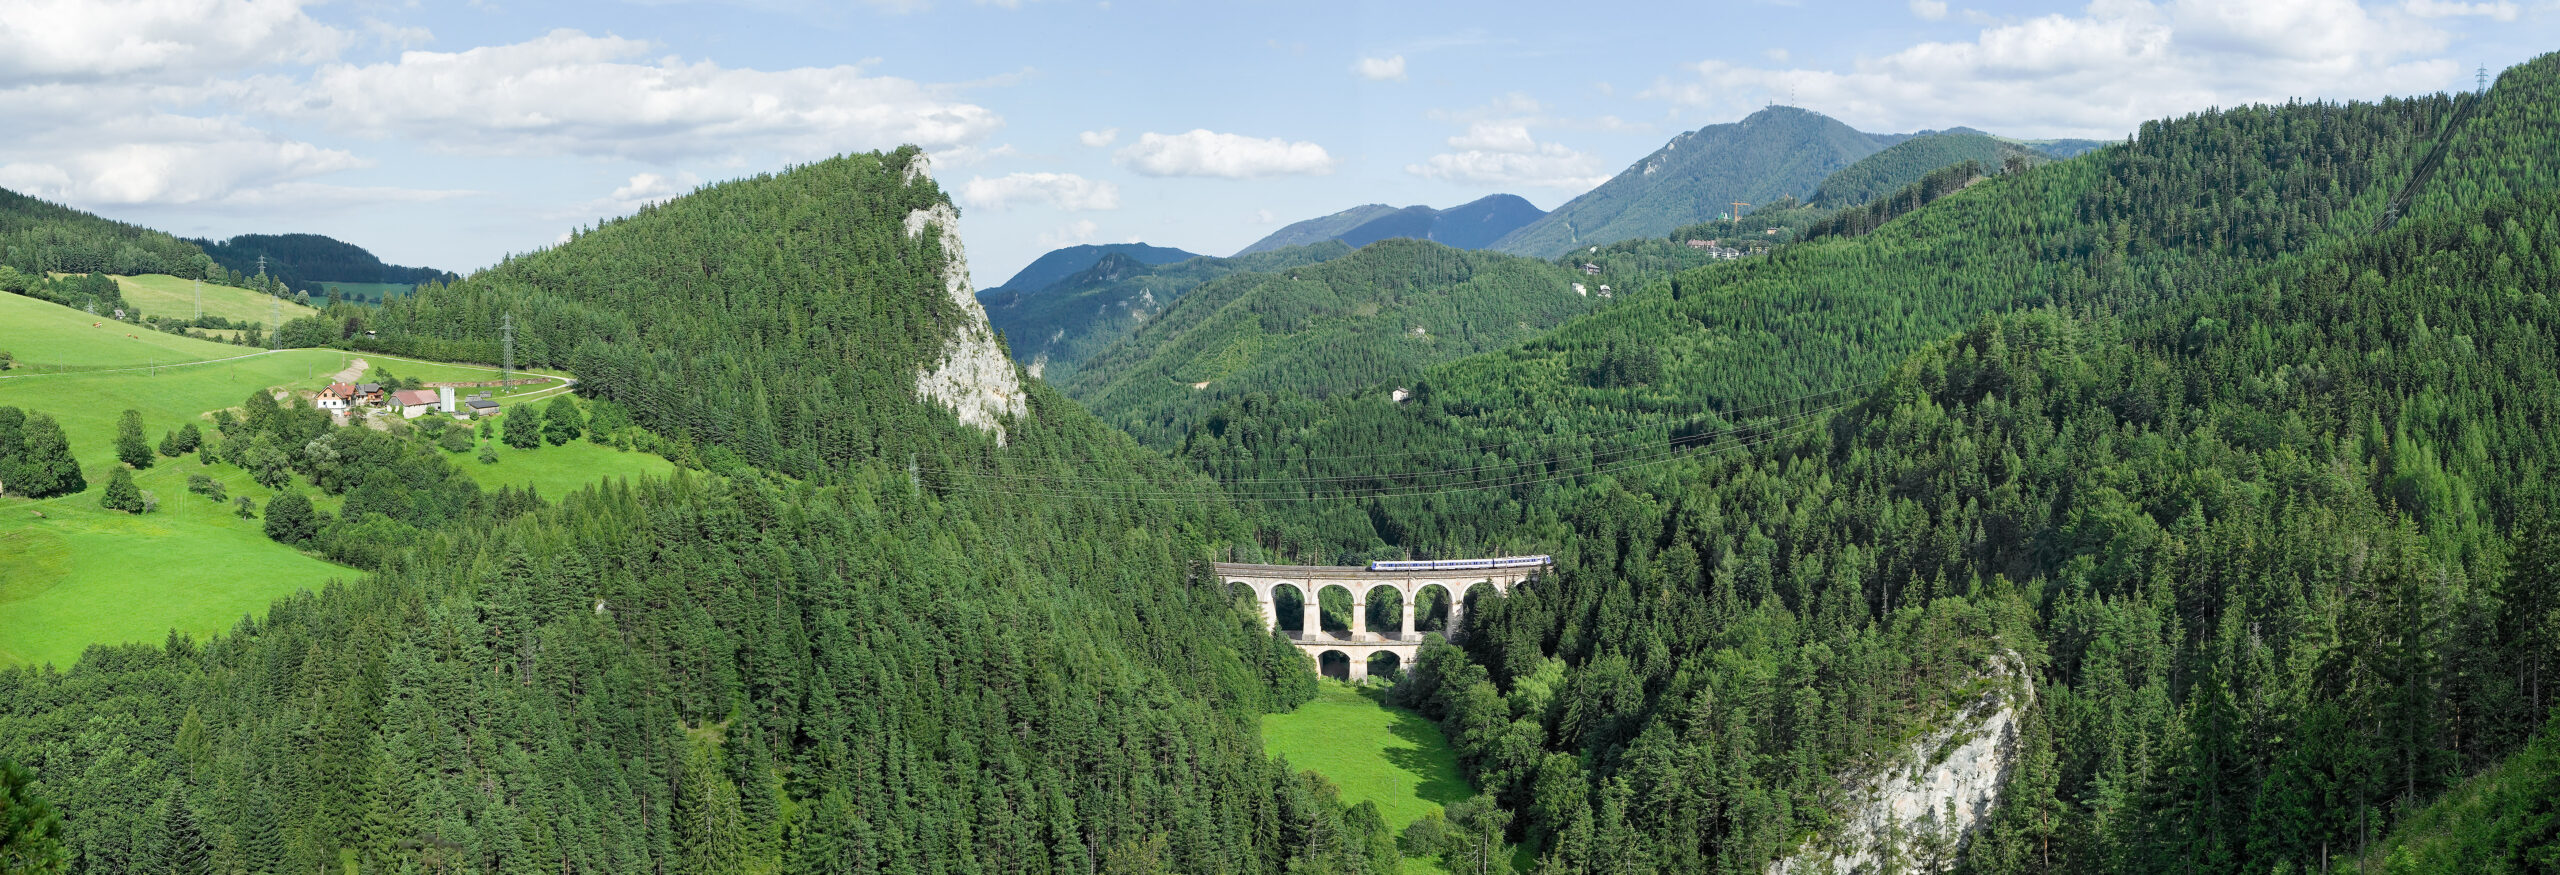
x: 561, y: 470
x: 80, y: 574
x: 160, y: 294
x: 1373, y: 751
x: 42, y: 333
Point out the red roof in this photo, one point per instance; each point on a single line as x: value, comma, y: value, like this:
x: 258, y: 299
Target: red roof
x: 339, y: 390
x: 408, y: 397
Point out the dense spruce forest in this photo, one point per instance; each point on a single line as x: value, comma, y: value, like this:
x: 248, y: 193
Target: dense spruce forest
x: 2229, y: 455
x: 304, y: 261
x: 39, y: 237
x: 1364, y: 320
x: 1904, y: 163
x: 827, y: 671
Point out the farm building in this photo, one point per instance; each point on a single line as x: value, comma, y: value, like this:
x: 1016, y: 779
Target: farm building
x: 414, y: 403
x: 480, y: 407
x: 336, y: 398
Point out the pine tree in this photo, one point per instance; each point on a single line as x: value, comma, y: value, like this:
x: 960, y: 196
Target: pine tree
x: 131, y: 447
x: 562, y: 422
x: 523, y: 427
x: 121, y: 494
x: 45, y: 466
x: 31, y: 834
x: 290, y: 519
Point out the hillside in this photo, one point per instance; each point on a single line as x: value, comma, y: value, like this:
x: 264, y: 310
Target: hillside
x: 1904, y: 163
x: 1777, y: 152
x: 1319, y: 229
x: 2271, y: 457
x: 1059, y: 264
x: 838, y: 670
x: 1471, y: 225
x: 40, y: 237
x: 1052, y: 331
x: 307, y: 262
x: 1356, y: 323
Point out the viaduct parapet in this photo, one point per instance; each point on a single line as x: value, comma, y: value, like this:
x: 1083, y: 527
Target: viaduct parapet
x: 1309, y: 581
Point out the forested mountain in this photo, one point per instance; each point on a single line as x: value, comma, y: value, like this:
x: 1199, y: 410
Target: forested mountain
x: 1318, y: 229
x: 1059, y: 264
x: 839, y: 670
x: 1054, y: 329
x: 1777, y: 152
x: 39, y: 237
x: 1903, y: 163
x: 2261, y: 499
x: 303, y: 261
x: 1360, y: 322
x: 1475, y: 224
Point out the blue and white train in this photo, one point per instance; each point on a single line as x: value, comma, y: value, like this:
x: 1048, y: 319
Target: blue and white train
x: 1464, y: 564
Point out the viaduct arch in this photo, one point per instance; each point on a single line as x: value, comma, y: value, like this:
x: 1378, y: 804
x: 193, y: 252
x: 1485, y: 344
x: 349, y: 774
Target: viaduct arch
x: 1309, y: 580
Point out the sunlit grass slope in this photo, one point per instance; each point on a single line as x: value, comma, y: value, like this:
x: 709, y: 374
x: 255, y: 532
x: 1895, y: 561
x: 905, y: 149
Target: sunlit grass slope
x: 160, y: 294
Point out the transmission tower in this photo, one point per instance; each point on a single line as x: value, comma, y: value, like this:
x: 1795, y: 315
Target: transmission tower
x: 199, y: 300
x: 2482, y: 78
x: 507, y: 367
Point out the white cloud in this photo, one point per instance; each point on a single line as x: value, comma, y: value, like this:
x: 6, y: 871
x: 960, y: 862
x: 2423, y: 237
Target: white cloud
x: 2105, y: 71
x: 570, y: 93
x: 1776, y: 54
x: 2499, y: 11
x: 1066, y: 191
x: 645, y: 187
x: 968, y: 155
x: 1932, y: 10
x: 1502, y: 153
x: 1099, y: 139
x: 1203, y: 152
x: 1078, y: 231
x: 161, y: 159
x: 1387, y: 69
x: 155, y: 40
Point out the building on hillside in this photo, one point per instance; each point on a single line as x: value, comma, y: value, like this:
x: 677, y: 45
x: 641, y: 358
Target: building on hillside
x: 1589, y: 269
x: 369, y: 394
x: 414, y: 403
x: 480, y: 407
x: 336, y: 398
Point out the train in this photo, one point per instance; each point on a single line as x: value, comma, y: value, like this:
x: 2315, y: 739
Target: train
x: 1536, y: 561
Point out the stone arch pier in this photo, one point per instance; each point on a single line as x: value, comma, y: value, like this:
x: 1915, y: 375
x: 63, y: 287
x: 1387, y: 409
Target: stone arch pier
x: 1311, y: 580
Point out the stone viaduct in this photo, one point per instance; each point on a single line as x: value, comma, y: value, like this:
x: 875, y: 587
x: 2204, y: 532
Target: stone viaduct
x: 1311, y: 580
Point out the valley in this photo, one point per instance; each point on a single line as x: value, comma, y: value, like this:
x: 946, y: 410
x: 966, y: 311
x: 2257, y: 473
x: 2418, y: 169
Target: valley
x: 1798, y: 499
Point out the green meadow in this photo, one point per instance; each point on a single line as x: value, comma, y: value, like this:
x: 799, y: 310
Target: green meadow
x: 1375, y: 752
x: 160, y: 294
x: 73, y: 573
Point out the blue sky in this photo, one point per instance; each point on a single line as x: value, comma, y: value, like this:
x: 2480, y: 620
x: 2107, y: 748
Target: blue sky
x: 452, y: 134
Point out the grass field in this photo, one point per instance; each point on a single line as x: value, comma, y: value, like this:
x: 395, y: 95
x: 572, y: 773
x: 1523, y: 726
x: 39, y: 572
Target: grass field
x: 558, y: 471
x: 80, y: 574
x: 160, y: 294
x: 1375, y: 752
x: 45, y: 334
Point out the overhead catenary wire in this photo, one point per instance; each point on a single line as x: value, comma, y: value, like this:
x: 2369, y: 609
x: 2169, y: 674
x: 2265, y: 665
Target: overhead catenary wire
x: 1727, y: 414
x: 1675, y: 442
x: 1665, y: 454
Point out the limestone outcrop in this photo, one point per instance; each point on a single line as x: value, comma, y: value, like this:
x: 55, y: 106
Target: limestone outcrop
x: 1919, y: 811
x: 974, y: 377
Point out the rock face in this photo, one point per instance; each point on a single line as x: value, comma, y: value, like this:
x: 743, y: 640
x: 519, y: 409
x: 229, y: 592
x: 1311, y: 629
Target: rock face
x: 975, y: 378
x: 1928, y: 802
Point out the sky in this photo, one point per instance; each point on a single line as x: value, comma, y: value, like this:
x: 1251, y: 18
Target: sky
x: 451, y: 135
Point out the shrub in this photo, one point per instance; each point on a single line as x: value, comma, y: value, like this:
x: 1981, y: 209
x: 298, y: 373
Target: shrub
x: 121, y: 494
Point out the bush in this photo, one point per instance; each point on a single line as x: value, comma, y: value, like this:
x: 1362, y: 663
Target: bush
x: 290, y: 519
x: 121, y: 494
x: 562, y: 422
x: 523, y: 428
x: 207, y: 487
x: 455, y: 440
x: 131, y: 447
x: 248, y: 510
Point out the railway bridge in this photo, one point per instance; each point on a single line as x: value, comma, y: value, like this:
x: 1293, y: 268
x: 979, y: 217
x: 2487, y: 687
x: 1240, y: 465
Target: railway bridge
x: 1408, y: 579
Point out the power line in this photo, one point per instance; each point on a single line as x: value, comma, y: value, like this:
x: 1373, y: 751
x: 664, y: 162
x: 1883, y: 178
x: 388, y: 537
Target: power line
x: 1776, y: 422
x: 1667, y: 454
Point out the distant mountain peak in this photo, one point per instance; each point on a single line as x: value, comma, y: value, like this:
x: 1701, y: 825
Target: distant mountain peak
x: 1471, y: 225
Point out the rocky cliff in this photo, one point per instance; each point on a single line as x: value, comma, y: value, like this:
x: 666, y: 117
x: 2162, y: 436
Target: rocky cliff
x: 1915, y: 815
x: 974, y: 378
